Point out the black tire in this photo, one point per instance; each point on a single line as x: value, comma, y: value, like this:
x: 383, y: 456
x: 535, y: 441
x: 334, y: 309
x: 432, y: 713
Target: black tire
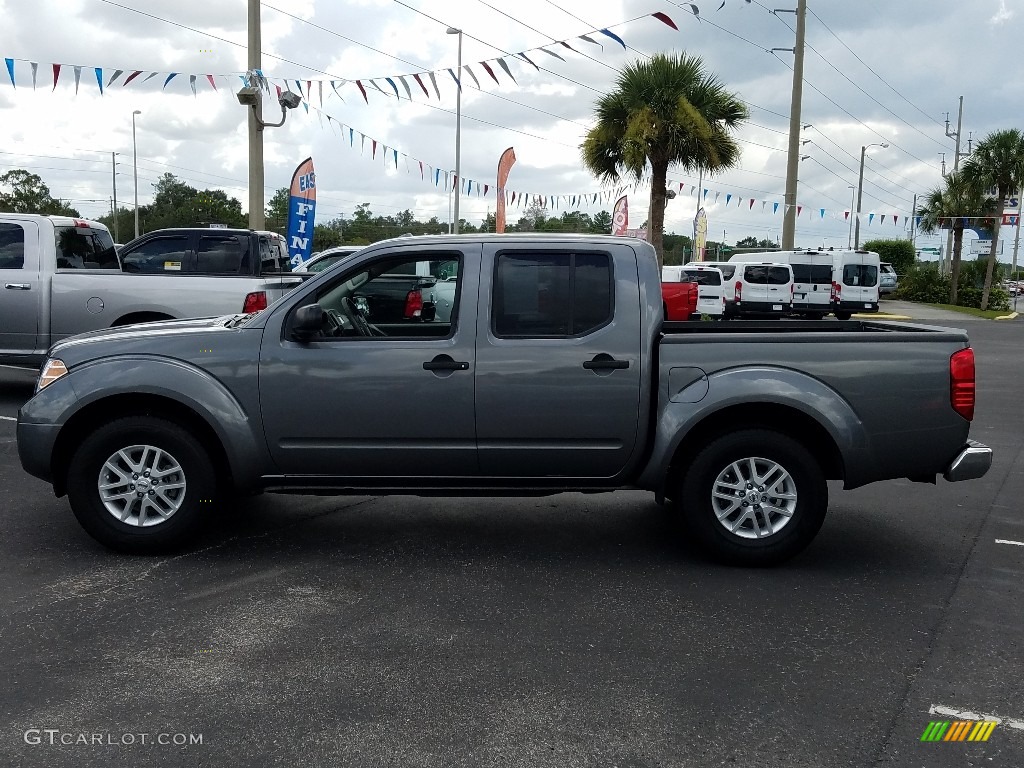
x: 790, y: 537
x: 843, y: 315
x: 194, y: 500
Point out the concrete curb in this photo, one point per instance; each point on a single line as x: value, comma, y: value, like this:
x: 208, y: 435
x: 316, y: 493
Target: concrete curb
x: 1011, y: 316
x: 881, y: 316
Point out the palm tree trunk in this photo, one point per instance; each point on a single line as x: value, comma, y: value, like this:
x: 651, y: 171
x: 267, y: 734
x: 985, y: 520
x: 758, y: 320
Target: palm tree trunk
x: 656, y: 215
x: 996, y: 223
x: 958, y: 245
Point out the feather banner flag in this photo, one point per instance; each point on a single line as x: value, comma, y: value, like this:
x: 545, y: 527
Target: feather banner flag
x: 620, y: 216
x: 505, y: 163
x: 301, y: 212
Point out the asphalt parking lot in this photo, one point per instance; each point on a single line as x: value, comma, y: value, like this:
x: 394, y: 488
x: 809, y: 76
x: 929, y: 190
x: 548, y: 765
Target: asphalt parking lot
x: 564, y: 631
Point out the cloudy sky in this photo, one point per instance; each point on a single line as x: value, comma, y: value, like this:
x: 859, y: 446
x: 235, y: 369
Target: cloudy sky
x: 874, y: 72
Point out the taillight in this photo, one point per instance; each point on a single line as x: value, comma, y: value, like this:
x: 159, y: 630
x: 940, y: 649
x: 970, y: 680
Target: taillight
x: 254, y: 302
x: 961, y: 382
x: 739, y: 291
x: 836, y: 293
x: 413, y: 304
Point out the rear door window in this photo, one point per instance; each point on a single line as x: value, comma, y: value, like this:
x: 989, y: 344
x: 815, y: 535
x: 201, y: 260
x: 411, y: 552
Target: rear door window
x: 159, y: 255
x: 220, y: 255
x: 85, y: 248
x: 756, y: 274
x: 817, y: 274
x: 703, y: 277
x: 779, y: 276
x: 12, y: 246
x: 863, y: 275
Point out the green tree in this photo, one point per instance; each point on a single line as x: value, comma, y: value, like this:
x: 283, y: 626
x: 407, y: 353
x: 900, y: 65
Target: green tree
x: 277, y: 211
x: 24, y: 192
x: 601, y: 224
x: 952, y: 205
x: 900, y: 253
x: 664, y: 110
x: 997, y: 162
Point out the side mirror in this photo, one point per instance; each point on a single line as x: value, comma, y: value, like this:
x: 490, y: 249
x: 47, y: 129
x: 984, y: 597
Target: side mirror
x: 308, y: 321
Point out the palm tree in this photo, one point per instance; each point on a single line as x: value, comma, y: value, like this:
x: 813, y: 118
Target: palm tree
x: 663, y: 110
x: 997, y: 162
x: 954, y: 206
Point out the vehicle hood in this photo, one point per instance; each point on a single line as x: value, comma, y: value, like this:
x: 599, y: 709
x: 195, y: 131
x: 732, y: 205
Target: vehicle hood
x: 170, y: 337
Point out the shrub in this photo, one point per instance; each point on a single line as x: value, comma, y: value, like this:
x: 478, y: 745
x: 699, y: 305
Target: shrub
x: 923, y: 283
x: 899, y: 253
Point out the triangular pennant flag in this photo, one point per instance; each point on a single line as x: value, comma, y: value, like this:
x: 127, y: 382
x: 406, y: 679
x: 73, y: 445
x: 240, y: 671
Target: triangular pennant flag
x: 457, y: 83
x: 419, y: 80
x: 210, y: 78
x: 822, y: 212
x: 309, y: 89
x: 99, y: 78
x: 351, y: 137
x: 526, y: 58
x: 395, y: 153
x: 591, y: 40
x: 297, y: 85
x: 775, y: 208
x: 394, y: 85
x: 489, y: 71
x: 113, y: 77
x: 334, y: 87
x: 566, y: 45
x: 433, y: 82
x: 320, y: 91
x: 883, y: 219
x: 374, y: 84
x: 169, y: 78
x: 421, y: 169
x: 362, y: 145
x: 305, y: 106
x: 614, y: 37
x: 470, y: 71
x: 551, y: 53
x: 150, y: 76
x: 751, y: 206
x: 191, y: 83
x: 763, y: 204
x: 78, y: 78
x: 664, y: 18
x: 486, y: 187
x: 469, y: 187
x: 799, y: 210
x: 728, y: 198
x: 846, y: 216
x: 896, y: 219
x: 10, y: 71
x: 705, y: 194
x: 35, y: 69
x: 131, y: 77
x: 362, y: 90
x: 503, y: 65
x: 56, y: 75
x: 871, y: 218
x: 717, y: 193
x: 278, y: 87
x: 405, y: 85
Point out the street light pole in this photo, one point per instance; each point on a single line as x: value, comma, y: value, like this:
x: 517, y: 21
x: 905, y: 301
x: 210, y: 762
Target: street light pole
x: 113, y: 168
x: 853, y: 192
x: 793, y: 158
x: 135, y: 171
x: 257, y: 216
x: 458, y: 131
x: 860, y: 192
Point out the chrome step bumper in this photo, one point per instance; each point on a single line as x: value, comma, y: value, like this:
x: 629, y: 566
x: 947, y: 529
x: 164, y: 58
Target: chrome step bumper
x: 971, y: 463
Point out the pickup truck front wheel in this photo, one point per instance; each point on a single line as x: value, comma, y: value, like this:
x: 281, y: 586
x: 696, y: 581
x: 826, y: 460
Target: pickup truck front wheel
x: 140, y: 484
x: 754, y: 497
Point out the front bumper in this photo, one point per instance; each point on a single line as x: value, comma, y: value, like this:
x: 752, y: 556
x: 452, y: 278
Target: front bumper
x: 972, y: 462
x: 35, y: 448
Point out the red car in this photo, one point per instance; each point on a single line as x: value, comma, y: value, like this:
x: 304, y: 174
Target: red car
x: 679, y: 300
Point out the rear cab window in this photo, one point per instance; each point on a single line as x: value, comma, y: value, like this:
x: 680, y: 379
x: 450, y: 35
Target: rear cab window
x: 551, y: 294
x: 167, y: 254
x: 12, y: 246
x: 223, y: 255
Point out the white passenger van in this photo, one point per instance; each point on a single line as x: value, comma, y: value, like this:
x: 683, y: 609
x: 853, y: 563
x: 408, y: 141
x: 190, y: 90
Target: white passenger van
x: 855, y: 277
x: 812, y: 278
x: 710, y: 287
x: 762, y: 288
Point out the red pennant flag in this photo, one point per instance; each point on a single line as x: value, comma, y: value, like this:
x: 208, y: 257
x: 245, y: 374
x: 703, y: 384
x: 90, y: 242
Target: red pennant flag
x: 373, y: 153
x: 485, y: 190
x: 131, y: 77
x: 278, y: 91
x: 665, y: 19
x: 895, y: 220
x: 751, y: 204
x: 420, y: 81
x: 208, y: 77
x: 489, y: 71
x: 846, y: 216
x: 56, y: 74
x: 362, y: 90
x: 799, y: 208
x: 421, y: 169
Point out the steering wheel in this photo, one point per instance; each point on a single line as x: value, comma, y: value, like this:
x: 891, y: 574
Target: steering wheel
x: 360, y: 323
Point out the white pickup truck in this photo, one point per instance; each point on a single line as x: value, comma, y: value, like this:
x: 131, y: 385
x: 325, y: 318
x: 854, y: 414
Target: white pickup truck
x: 61, y: 276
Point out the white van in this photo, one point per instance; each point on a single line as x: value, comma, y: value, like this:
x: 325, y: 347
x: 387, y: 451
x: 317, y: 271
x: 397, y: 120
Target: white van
x: 855, y: 282
x: 812, y: 278
x: 710, y: 287
x: 762, y: 288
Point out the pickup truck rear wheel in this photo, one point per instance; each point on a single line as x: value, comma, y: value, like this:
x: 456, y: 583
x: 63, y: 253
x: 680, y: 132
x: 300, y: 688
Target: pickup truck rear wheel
x: 140, y: 484
x: 755, y: 497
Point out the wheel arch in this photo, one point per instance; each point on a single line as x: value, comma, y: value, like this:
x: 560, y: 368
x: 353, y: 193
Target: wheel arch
x: 141, y: 317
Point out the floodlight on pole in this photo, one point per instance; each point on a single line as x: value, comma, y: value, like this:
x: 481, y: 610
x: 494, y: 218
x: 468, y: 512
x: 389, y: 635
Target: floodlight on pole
x: 860, y: 191
x: 458, y: 131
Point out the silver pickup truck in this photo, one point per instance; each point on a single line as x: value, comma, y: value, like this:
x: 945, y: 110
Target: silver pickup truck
x: 555, y: 371
x: 61, y: 276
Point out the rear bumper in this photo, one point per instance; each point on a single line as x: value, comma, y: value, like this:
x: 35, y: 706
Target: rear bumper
x: 856, y: 306
x: 760, y: 307
x: 972, y: 462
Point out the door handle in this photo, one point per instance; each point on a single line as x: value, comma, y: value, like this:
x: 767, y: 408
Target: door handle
x: 19, y: 286
x: 445, y: 363
x: 604, y: 362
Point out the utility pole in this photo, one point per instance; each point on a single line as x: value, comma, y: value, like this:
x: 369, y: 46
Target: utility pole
x: 793, y: 159
x: 913, y: 222
x: 945, y: 261
x: 1016, y: 245
x: 257, y: 215
x: 113, y: 167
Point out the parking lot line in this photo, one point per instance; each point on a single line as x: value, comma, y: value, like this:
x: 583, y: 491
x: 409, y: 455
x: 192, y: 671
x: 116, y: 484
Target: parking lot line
x: 934, y: 709
x: 1008, y: 541
x: 9, y: 418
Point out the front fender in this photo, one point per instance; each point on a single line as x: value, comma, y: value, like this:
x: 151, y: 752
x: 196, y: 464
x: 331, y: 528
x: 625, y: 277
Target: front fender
x: 749, y: 386
x: 167, y: 378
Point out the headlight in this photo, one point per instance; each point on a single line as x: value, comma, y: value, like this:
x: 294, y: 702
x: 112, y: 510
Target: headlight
x: 53, y: 369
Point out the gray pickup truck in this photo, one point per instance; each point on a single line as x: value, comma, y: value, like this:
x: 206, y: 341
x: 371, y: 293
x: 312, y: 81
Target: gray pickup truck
x: 555, y: 371
x: 62, y: 276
